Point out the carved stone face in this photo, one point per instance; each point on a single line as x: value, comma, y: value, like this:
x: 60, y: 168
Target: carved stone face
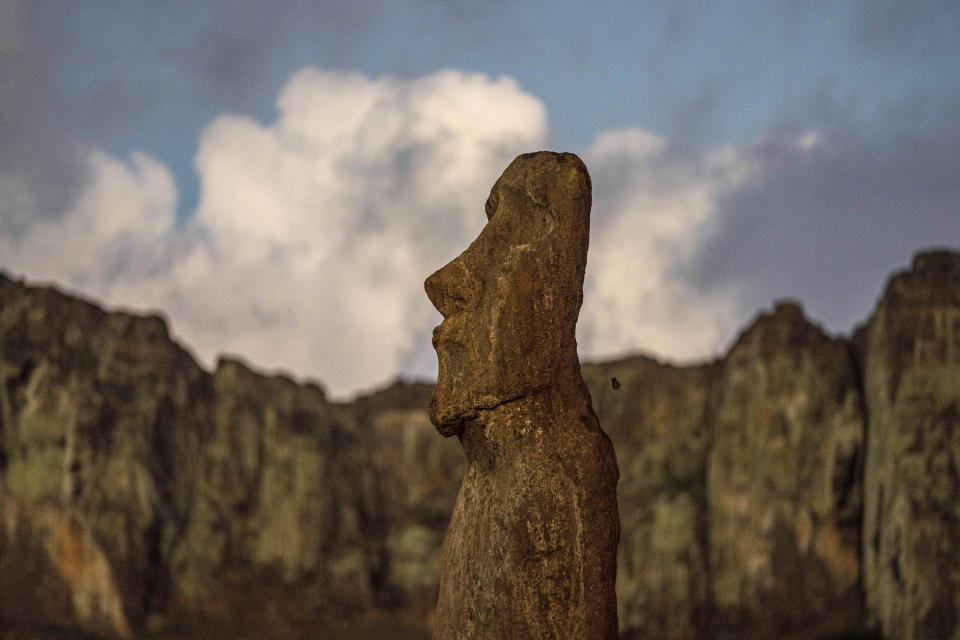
x: 510, y: 301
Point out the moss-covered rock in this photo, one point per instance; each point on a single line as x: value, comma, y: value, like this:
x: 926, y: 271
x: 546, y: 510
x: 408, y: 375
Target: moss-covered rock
x: 657, y: 417
x: 911, y: 358
x: 141, y: 495
x: 783, y: 489
x: 96, y: 411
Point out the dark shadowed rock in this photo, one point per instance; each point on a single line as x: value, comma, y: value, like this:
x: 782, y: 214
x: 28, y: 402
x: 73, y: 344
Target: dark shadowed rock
x: 139, y: 492
x: 911, y: 535
x: 276, y: 534
x: 417, y: 475
x: 531, y: 547
x: 96, y: 414
x: 739, y: 489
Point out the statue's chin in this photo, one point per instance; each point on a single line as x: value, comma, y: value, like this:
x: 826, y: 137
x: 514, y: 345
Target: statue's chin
x: 448, y: 422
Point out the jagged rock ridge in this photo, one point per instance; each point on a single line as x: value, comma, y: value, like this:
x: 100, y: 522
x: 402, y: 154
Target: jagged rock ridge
x: 801, y: 486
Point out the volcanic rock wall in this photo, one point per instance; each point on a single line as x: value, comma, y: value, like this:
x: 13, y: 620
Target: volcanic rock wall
x: 739, y: 485
x: 657, y: 416
x: 134, y: 484
x: 911, y: 534
x: 803, y: 484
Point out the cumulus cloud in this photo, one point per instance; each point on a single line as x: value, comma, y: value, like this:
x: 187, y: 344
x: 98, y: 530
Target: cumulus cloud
x: 113, y: 236
x: 686, y: 247
x: 313, y: 233
x: 653, y: 211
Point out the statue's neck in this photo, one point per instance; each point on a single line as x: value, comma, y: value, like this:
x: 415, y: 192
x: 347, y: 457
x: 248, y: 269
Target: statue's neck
x: 527, y: 423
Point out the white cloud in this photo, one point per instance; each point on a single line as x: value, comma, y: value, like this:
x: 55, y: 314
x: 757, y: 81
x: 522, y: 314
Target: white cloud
x: 322, y: 226
x: 313, y: 234
x: 653, y: 211
x: 113, y: 238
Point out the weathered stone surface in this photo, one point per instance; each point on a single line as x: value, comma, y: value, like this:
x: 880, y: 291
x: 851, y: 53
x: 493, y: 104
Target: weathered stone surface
x: 95, y: 417
x: 911, y: 534
x: 282, y: 502
x: 739, y: 486
x: 139, y: 492
x: 69, y: 368
x: 54, y: 573
x: 783, y: 491
x: 530, y: 551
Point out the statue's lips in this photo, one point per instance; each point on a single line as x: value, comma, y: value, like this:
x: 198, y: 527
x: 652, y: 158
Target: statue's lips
x: 444, y: 333
x: 439, y: 335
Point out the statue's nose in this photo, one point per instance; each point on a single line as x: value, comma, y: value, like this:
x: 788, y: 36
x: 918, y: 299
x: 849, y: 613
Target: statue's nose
x: 453, y: 288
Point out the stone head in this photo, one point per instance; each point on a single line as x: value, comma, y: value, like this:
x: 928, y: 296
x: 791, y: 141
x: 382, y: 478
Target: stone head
x: 510, y: 301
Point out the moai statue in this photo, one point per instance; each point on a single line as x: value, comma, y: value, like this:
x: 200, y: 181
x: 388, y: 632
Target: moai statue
x: 531, y: 548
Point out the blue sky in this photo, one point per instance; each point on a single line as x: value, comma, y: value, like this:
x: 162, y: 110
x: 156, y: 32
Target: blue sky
x: 741, y: 152
x: 716, y: 72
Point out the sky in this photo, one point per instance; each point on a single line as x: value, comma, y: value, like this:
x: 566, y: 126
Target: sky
x: 278, y: 179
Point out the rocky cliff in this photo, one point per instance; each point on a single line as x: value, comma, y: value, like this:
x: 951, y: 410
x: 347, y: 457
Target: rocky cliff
x: 804, y: 485
x: 910, y: 351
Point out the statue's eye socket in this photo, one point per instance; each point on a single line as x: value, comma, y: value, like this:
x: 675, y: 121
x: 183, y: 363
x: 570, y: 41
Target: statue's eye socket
x: 491, y: 205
